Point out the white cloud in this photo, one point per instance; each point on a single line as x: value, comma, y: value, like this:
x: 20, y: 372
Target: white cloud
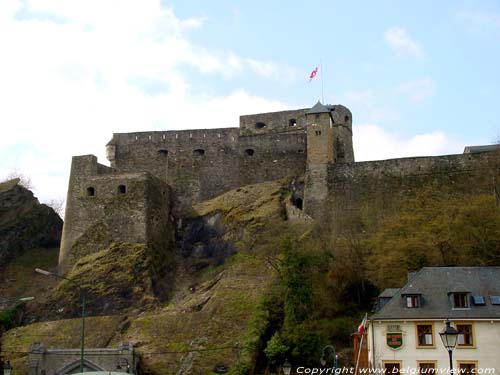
x: 401, y: 42
x: 71, y: 77
x: 417, y: 90
x: 371, y: 142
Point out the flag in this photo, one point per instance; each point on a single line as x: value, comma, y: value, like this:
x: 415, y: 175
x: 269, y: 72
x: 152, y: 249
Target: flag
x: 362, y: 326
x: 313, y: 74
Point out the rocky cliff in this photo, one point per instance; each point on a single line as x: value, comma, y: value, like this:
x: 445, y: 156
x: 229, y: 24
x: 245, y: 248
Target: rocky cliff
x: 24, y: 222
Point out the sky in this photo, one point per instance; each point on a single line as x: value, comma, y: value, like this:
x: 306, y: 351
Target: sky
x: 421, y: 78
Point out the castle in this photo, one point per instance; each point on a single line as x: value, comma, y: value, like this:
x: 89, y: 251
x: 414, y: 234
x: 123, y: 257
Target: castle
x: 155, y: 176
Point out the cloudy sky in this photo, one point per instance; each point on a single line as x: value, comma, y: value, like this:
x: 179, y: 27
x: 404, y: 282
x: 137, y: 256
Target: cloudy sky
x: 421, y: 78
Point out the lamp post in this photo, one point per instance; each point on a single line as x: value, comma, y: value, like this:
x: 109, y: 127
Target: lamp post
x: 287, y: 367
x: 82, y: 294
x: 323, y: 356
x: 449, y: 336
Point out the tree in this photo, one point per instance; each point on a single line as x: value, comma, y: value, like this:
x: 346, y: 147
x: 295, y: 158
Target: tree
x: 24, y: 181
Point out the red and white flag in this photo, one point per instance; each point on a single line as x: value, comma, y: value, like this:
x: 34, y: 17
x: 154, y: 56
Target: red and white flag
x: 362, y: 326
x: 313, y: 74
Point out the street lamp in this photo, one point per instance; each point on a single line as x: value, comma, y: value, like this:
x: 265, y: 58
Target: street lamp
x: 323, y: 356
x: 449, y: 336
x: 287, y: 367
x: 82, y: 294
x: 7, y: 369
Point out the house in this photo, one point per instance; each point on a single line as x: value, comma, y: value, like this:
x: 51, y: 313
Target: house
x: 404, y: 331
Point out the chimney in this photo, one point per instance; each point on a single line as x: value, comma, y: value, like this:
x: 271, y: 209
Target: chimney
x: 411, y: 273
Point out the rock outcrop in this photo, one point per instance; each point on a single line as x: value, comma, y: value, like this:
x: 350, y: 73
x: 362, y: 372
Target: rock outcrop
x: 24, y: 222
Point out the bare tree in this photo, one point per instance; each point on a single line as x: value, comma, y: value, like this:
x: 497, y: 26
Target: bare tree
x: 24, y: 181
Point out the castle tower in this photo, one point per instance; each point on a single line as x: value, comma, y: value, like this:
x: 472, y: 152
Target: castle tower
x: 329, y: 141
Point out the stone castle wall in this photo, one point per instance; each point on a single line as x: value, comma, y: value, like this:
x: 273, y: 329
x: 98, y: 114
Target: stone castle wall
x: 165, y: 172
x: 376, y: 186
x: 201, y: 164
x: 104, y: 206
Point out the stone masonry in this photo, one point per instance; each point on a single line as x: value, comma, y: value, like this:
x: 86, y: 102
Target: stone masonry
x: 156, y: 176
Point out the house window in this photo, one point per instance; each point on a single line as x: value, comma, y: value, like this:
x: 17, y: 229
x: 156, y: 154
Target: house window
x: 460, y: 301
x: 90, y: 191
x: 467, y: 368
x: 392, y: 367
x: 412, y: 301
x: 465, y: 336
x: 425, y: 338
x: 122, y: 189
x: 426, y: 367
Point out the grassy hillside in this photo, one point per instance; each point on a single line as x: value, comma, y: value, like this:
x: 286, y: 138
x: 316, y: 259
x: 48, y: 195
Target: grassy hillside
x: 243, y: 276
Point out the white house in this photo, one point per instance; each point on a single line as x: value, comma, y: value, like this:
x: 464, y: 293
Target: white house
x: 404, y: 331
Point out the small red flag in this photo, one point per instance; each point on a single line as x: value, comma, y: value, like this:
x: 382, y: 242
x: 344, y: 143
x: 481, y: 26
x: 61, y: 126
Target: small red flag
x: 313, y: 74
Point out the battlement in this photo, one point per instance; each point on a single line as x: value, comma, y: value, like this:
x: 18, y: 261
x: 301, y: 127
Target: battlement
x: 156, y: 174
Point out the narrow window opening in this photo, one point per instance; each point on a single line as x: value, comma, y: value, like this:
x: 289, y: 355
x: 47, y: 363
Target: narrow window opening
x: 292, y: 122
x: 122, y: 189
x: 199, y: 152
x: 249, y: 152
x: 298, y: 203
x: 301, y: 151
x: 163, y: 153
x: 90, y: 191
x: 318, y: 132
x: 260, y: 125
x: 346, y: 119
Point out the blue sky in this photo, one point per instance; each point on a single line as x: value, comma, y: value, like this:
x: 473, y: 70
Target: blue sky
x: 421, y: 78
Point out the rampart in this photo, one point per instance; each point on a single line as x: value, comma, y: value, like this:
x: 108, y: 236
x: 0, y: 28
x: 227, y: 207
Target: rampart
x: 159, y: 174
x: 374, y: 187
x: 105, y: 206
x: 201, y: 164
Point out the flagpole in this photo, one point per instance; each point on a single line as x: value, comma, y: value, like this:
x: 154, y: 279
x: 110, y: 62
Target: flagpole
x: 361, y: 344
x: 322, y: 96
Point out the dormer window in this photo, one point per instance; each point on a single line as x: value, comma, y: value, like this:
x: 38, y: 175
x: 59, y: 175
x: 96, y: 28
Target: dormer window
x: 460, y: 300
x: 412, y: 301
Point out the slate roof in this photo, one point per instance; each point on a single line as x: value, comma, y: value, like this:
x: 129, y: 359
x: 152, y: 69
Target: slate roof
x: 434, y: 284
x: 318, y: 108
x: 483, y: 148
x: 389, y: 292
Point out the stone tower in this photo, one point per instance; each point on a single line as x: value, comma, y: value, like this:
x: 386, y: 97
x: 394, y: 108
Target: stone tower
x: 329, y: 141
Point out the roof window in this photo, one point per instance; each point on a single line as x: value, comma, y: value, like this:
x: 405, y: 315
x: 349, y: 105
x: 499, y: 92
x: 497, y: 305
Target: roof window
x: 460, y: 300
x: 412, y: 301
x: 478, y: 300
x: 495, y: 300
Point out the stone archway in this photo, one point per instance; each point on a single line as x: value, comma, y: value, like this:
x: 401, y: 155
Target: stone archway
x: 74, y: 367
